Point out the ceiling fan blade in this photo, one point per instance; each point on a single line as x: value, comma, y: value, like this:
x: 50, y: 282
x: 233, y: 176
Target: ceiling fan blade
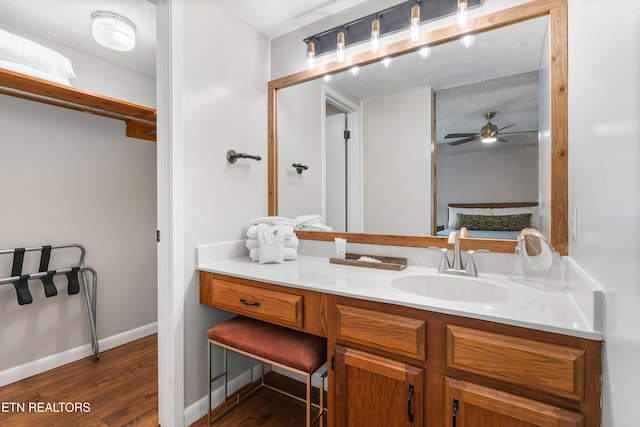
x: 460, y: 135
x: 502, y: 140
x: 513, y: 133
x: 508, y: 126
x: 463, y: 141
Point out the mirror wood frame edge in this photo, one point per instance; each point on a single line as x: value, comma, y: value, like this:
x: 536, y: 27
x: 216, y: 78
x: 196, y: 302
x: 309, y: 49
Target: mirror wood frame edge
x: 557, y: 12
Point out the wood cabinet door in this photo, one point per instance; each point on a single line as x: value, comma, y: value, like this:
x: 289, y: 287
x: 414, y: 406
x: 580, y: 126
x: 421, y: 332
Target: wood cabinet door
x: 373, y: 391
x: 471, y: 405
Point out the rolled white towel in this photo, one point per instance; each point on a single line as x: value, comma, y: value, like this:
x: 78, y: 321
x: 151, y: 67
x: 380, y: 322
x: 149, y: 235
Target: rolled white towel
x: 273, y: 220
x: 252, y: 243
x: 291, y: 242
x: 289, y: 254
x: 252, y: 231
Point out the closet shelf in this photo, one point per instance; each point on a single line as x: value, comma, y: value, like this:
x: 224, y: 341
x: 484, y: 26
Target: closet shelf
x: 140, y: 121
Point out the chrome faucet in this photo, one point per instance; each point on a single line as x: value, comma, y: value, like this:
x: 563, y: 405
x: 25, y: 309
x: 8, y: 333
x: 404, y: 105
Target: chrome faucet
x: 447, y: 267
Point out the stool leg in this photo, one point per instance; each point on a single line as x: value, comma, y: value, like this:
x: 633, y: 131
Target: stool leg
x: 209, y: 372
x: 321, y: 417
x: 308, y: 400
x: 224, y: 351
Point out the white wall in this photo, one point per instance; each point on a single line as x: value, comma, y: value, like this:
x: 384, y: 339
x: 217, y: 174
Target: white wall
x: 482, y: 173
x: 68, y: 176
x: 300, y: 141
x: 604, y: 183
x: 604, y: 65
x: 224, y: 105
x: 397, y: 163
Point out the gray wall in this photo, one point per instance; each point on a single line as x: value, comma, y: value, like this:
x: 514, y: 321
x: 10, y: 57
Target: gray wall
x: 68, y: 176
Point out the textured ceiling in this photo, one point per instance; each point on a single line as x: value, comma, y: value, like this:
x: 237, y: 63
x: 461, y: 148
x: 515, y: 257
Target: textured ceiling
x: 274, y: 18
x: 495, y: 74
x: 68, y: 22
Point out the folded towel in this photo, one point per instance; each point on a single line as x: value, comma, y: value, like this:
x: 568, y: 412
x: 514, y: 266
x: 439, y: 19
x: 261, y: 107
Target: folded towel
x: 289, y: 254
x: 308, y: 219
x: 252, y: 231
x: 288, y: 243
x: 271, y: 240
x: 273, y: 220
x: 314, y: 227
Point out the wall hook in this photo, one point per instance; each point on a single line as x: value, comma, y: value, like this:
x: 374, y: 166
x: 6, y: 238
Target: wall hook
x: 300, y: 167
x: 232, y: 156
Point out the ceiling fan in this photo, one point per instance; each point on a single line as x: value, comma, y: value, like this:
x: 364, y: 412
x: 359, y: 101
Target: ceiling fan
x: 488, y: 133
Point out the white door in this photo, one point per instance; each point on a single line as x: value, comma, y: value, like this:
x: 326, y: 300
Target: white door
x: 336, y: 177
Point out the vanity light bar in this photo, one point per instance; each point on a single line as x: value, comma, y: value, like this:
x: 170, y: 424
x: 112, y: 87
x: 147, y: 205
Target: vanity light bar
x: 393, y: 19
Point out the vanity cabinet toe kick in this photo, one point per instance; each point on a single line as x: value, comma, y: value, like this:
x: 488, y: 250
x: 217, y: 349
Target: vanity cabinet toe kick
x: 402, y: 366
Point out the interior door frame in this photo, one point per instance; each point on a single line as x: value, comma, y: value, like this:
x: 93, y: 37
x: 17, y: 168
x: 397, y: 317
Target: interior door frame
x: 355, y: 190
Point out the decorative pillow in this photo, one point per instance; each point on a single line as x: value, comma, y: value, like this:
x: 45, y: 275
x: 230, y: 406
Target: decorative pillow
x: 453, y: 212
x: 533, y: 210
x: 494, y: 222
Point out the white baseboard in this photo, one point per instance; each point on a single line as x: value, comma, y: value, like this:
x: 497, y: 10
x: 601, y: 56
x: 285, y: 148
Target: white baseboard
x: 35, y: 367
x: 199, y: 409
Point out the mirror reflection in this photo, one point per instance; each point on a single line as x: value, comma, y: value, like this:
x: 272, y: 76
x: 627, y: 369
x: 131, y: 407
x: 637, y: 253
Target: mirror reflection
x: 393, y: 147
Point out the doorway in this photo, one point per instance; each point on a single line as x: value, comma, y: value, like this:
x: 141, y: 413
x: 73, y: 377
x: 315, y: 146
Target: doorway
x: 342, y: 151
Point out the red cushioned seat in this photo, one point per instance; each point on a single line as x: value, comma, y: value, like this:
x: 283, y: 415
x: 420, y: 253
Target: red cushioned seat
x: 285, y: 346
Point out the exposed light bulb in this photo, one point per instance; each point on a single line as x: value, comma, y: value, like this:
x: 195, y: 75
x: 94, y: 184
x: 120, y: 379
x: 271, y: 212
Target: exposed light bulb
x: 468, y: 41
x: 386, y: 62
x: 340, y: 47
x: 424, y: 52
x: 415, y: 23
x: 354, y: 70
x: 463, y: 20
x: 311, y: 56
x: 375, y: 35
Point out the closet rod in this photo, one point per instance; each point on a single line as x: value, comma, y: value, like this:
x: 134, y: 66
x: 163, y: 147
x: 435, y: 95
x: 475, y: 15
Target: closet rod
x: 74, y: 105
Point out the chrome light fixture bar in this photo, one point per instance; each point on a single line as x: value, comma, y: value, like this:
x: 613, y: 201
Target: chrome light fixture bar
x: 391, y: 20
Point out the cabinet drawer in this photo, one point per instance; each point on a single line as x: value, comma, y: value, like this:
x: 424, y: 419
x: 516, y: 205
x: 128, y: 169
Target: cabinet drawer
x: 396, y: 334
x: 273, y: 306
x: 548, y: 367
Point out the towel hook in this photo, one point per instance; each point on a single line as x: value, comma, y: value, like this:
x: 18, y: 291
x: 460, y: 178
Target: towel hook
x: 232, y: 156
x: 300, y: 167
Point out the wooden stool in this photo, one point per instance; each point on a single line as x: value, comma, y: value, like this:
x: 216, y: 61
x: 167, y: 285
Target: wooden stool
x: 289, y: 349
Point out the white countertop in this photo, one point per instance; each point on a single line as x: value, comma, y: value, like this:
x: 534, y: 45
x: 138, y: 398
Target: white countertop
x: 526, y: 306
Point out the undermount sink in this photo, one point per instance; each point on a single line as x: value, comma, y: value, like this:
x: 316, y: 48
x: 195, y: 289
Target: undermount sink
x: 452, y: 288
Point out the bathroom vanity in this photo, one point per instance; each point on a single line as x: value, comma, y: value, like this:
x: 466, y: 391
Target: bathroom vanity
x: 518, y: 356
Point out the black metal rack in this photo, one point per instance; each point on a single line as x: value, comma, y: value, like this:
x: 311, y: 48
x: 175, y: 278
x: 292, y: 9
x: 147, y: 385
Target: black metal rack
x: 76, y: 277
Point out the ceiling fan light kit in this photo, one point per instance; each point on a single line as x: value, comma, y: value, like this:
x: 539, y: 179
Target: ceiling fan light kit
x: 488, y: 133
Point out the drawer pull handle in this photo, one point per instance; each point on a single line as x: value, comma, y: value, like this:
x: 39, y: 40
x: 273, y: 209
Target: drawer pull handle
x: 409, y: 398
x: 253, y: 304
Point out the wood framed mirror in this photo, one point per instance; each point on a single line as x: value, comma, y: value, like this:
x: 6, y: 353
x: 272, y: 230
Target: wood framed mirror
x: 556, y: 11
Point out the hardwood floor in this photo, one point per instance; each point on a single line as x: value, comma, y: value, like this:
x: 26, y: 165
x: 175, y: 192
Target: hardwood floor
x: 121, y: 389
x: 267, y: 408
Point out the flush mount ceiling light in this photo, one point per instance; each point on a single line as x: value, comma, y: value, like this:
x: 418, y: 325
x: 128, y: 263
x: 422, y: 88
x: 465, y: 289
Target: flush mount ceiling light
x: 113, y: 31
